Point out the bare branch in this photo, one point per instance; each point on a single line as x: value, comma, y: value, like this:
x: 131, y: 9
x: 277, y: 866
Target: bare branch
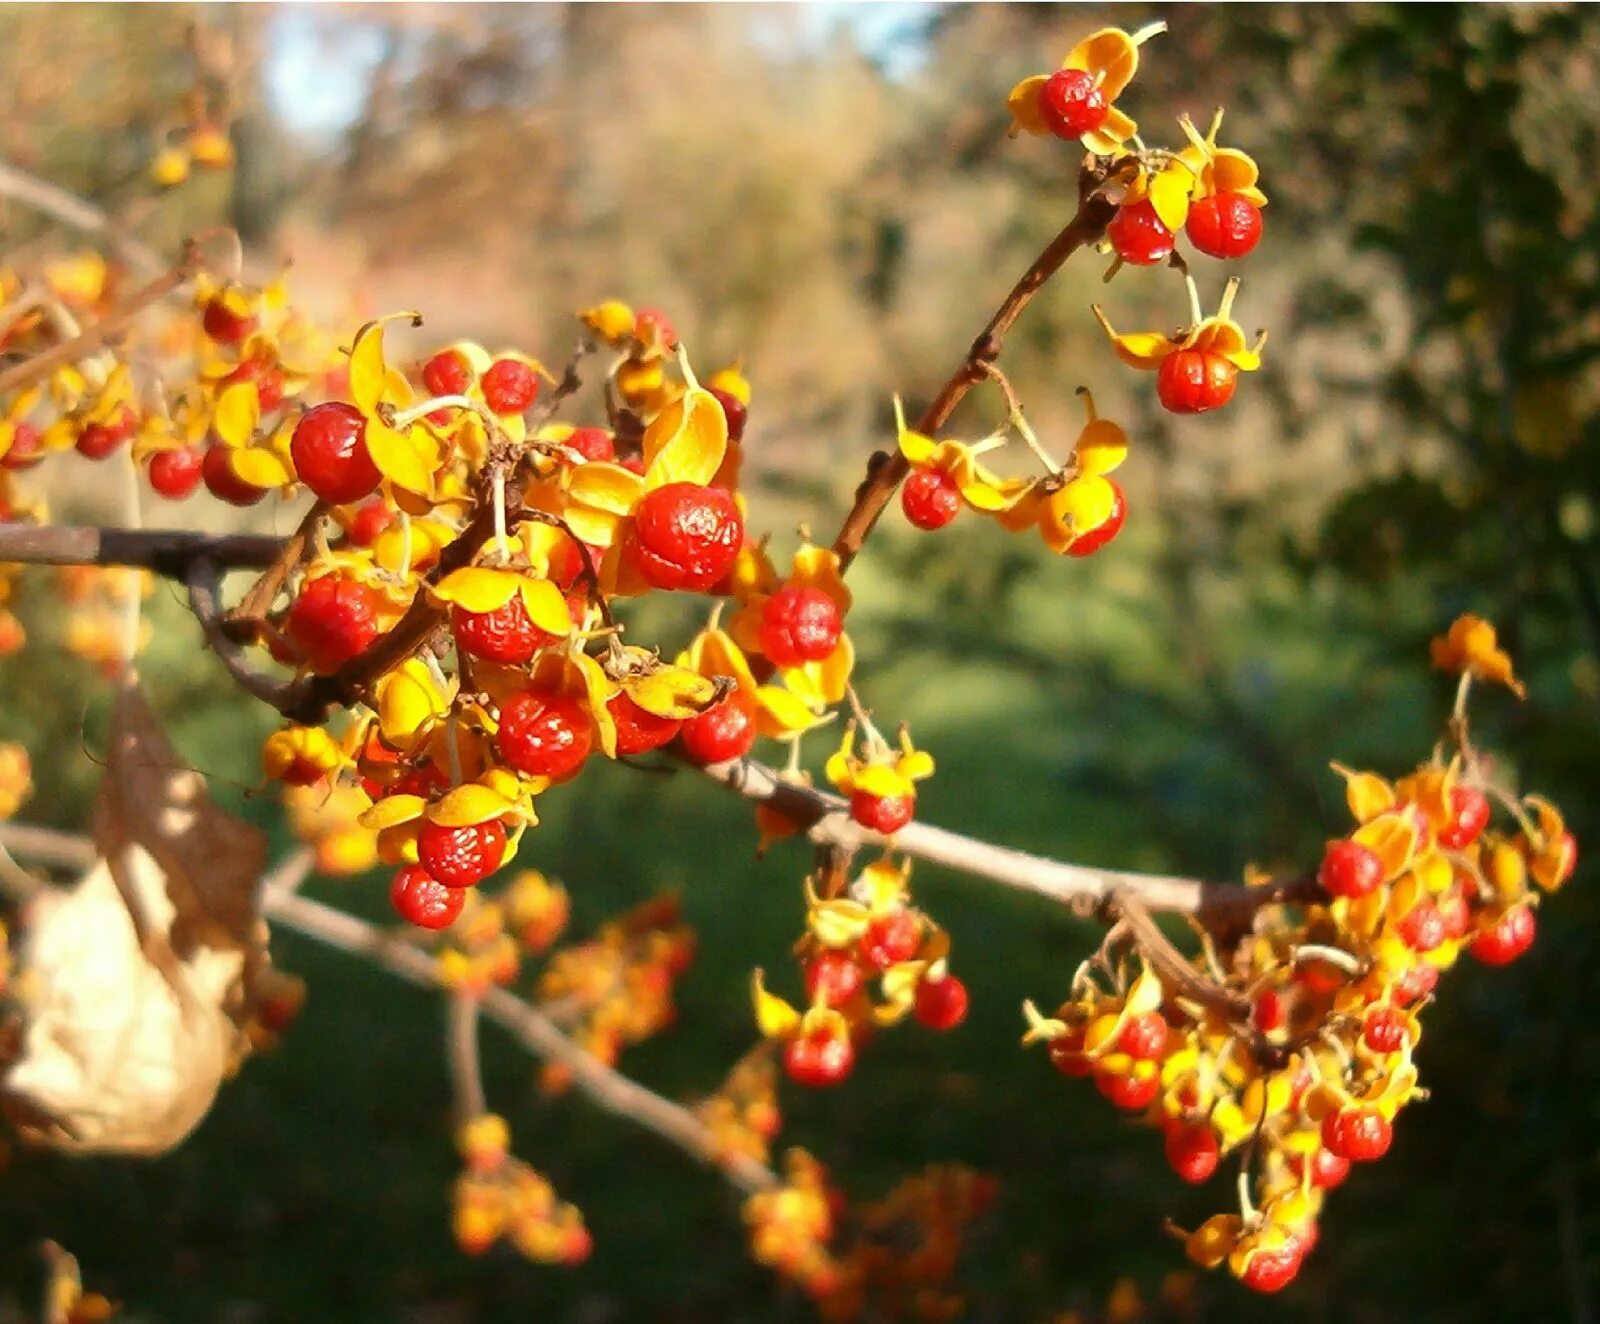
x: 168, y: 552
x: 461, y: 1051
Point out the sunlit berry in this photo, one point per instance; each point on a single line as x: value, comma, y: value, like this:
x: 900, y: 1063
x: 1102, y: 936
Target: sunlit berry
x: 1384, y: 1030
x: 1509, y: 937
x: 223, y: 483
x: 175, y: 474
x: 886, y: 814
x: 1272, y: 1270
x: 1469, y: 815
x: 799, y: 625
x: 930, y: 498
x: 370, y: 519
x: 1358, y: 1134
x: 592, y: 444
x: 267, y: 378
x: 329, y: 449
x: 1225, y: 225
x: 461, y: 856
x: 819, y: 1060
x: 941, y: 1003
x: 832, y: 977
x: 1193, y: 381
x: 510, y: 386
x: 544, y: 734
x: 224, y: 325
x: 1137, y: 235
x: 506, y: 634
x: 1327, y: 1168
x: 1350, y: 869
x: 652, y: 326
x: 734, y: 410
x: 1455, y: 910
x: 686, y: 536
x: 1144, y: 1036
x: 447, y: 373
x: 1131, y: 1092
x: 1072, y: 103
x: 421, y: 899
x: 27, y: 447
x: 639, y: 731
x: 890, y: 939
x: 1422, y: 928
x: 1192, y: 1152
x: 726, y: 730
x: 332, y: 620
x: 1415, y: 983
x: 99, y: 440
x: 1086, y: 544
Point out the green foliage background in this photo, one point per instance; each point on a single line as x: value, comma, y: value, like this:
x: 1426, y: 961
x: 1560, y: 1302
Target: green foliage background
x: 1422, y: 442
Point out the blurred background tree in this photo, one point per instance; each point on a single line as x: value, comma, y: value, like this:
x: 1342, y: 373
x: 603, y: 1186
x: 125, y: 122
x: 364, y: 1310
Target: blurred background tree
x: 828, y: 192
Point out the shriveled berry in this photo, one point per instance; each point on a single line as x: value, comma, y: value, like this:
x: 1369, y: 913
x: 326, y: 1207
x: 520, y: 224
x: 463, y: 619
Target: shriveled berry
x: 1358, y: 1134
x: 686, y: 536
x: 1144, y: 1036
x: 217, y: 472
x: 833, y: 977
x: 1087, y: 544
x: 447, y: 373
x: 1192, y: 1152
x: 819, y: 1060
x: 1193, y: 381
x: 510, y: 386
x: 726, y: 730
x: 734, y: 410
x: 1138, y: 236
x: 799, y: 625
x: 639, y: 731
x: 890, y: 939
x: 99, y: 440
x: 224, y: 325
x: 1131, y: 1092
x: 1350, y: 869
x: 544, y: 734
x: 461, y: 856
x: 882, y: 813
x: 506, y: 634
x: 930, y: 498
x: 371, y: 519
x: 421, y: 899
x: 941, y: 1003
x: 1272, y: 1270
x: 592, y: 444
x: 175, y: 474
x: 1469, y: 815
x: 1072, y: 103
x: 1510, y: 936
x: 332, y: 620
x: 1422, y: 928
x: 1225, y: 225
x: 329, y: 448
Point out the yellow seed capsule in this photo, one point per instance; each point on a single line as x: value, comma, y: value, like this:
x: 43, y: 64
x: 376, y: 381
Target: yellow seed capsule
x: 1506, y: 871
x: 639, y: 379
x: 170, y: 167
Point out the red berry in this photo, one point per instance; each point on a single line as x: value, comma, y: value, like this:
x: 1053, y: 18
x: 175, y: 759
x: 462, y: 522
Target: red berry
x: 1415, y: 983
x: 510, y: 386
x: 941, y: 1003
x: 268, y: 379
x: 1469, y: 815
x: 799, y: 625
x: 447, y: 373
x: 592, y: 444
x: 726, y: 730
x: 1350, y: 869
x: 1456, y: 912
x: 930, y: 498
x: 686, y: 536
x: 505, y: 634
x: 461, y: 856
x: 99, y: 440
x: 819, y: 1060
x: 329, y: 448
x: 639, y: 731
x: 1193, y: 1153
x: 544, y: 734
x: 175, y: 474
x: 1130, y: 1092
x: 1358, y: 1134
x: 1269, y: 1013
x: 332, y: 620
x: 882, y: 813
x: 1066, y: 1054
x: 1225, y: 225
x: 421, y: 899
x: 1192, y: 381
x: 370, y: 519
x: 1144, y: 1036
x: 651, y: 324
x: 223, y: 483
x: 1511, y: 935
x: 1422, y: 928
x: 833, y: 977
x: 890, y: 939
x: 1101, y: 534
x: 734, y: 410
x: 25, y: 449
x: 1384, y: 1030
x: 1072, y: 103
x: 224, y: 325
x: 1327, y: 1168
x: 1138, y: 236
x: 1272, y: 1270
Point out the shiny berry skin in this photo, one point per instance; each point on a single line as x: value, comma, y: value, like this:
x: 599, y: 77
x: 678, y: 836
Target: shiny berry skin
x: 819, y: 1060
x: 1096, y: 538
x: 1272, y: 1270
x: 544, y: 734
x: 686, y: 536
x: 1137, y: 235
x: 639, y: 731
x: 329, y: 448
x: 890, y: 939
x: 592, y: 444
x: 505, y: 634
x: 371, y: 519
x: 651, y: 324
x: 421, y: 899
x: 1225, y: 225
x: 332, y: 620
x: 1511, y: 936
x: 734, y: 410
x: 1131, y: 1093
x: 1415, y: 983
x: 25, y: 451
x: 1192, y: 1152
x: 223, y: 483
x: 799, y: 625
x: 224, y: 325
x: 1144, y: 1037
x: 175, y: 474
x: 268, y: 379
x: 509, y: 386
x: 1469, y: 815
x: 1358, y: 1134
x: 1350, y: 869
x: 1327, y: 1168
x: 461, y: 856
x: 1422, y: 928
x: 726, y: 730
x: 930, y: 498
x: 941, y: 1003
x: 99, y: 440
x: 834, y: 977
x: 1193, y: 381
x: 447, y: 373
x: 1072, y: 103
x: 882, y: 813
x: 1384, y: 1030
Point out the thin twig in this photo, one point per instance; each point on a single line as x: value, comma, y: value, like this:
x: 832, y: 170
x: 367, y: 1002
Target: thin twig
x: 245, y: 619
x: 203, y: 582
x: 461, y: 1051
x: 76, y: 213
